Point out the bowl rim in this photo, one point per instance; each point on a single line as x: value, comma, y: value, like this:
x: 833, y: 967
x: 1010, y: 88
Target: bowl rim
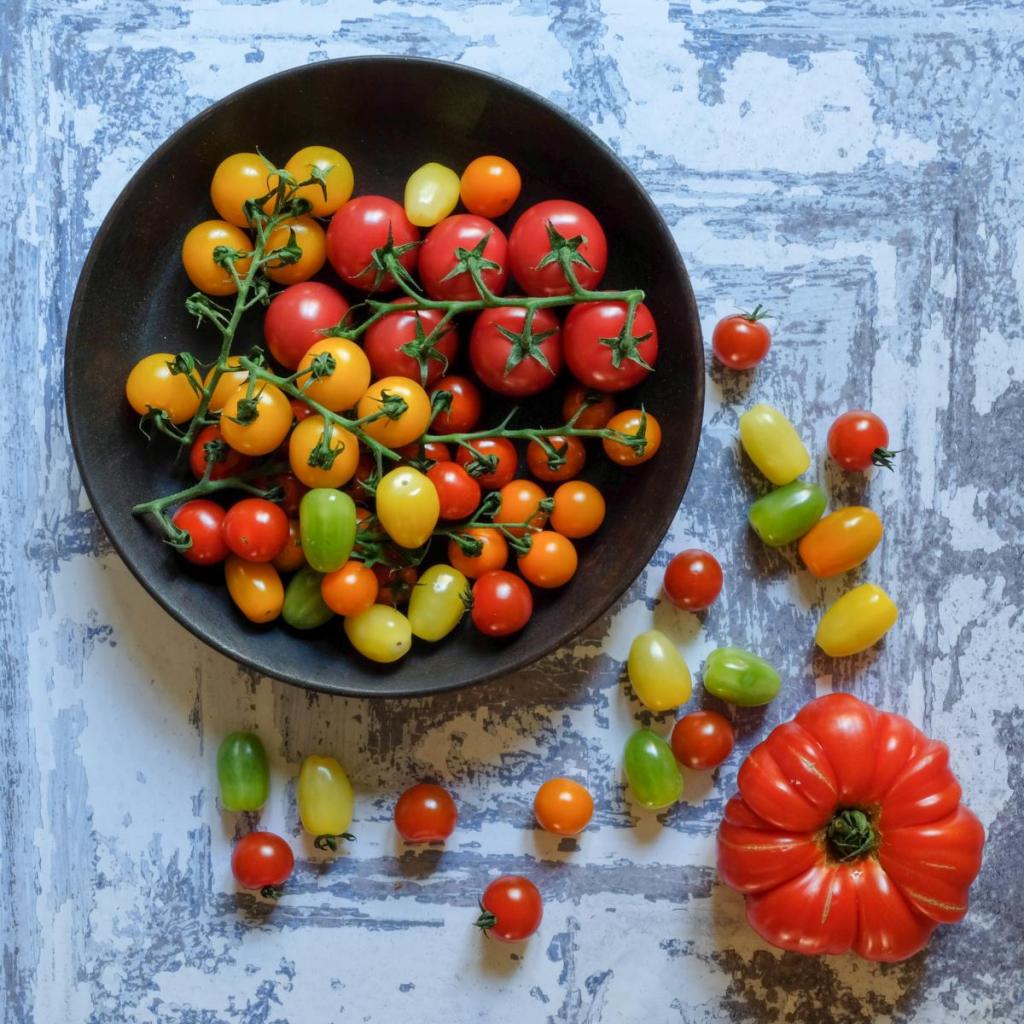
x: 196, y: 628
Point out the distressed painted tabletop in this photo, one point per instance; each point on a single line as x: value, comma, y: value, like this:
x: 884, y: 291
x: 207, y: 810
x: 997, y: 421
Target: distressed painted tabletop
x: 858, y: 168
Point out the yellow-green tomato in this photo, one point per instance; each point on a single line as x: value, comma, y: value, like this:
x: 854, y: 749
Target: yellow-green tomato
x: 325, y: 799
x: 773, y: 444
x: 438, y: 602
x: 407, y: 506
x: 857, y: 621
x: 431, y: 194
x: 658, y: 673
x: 381, y: 633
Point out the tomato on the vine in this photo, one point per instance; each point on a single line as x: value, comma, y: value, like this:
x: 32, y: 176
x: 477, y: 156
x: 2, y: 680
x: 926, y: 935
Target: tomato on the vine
x: 457, y: 491
x: 630, y: 422
x: 310, y: 239
x: 599, y: 350
x: 425, y: 452
x: 154, y: 384
x: 226, y: 461
x: 578, y: 510
x: 693, y: 580
x: 551, y: 560
x: 350, y: 589
x: 521, y: 502
x: 230, y: 380
x: 197, y: 256
x: 498, y: 448
x: 261, y: 433
x: 859, y: 440
x: 510, y: 909
x: 490, y: 186
x: 262, y: 860
x: 529, y: 246
x: 425, y: 813
x: 337, y: 173
x: 742, y: 340
x: 345, y: 384
x: 255, y: 529
x: 362, y: 226
x: 202, y: 520
x: 407, y: 426
x: 502, y: 603
x: 296, y: 317
x: 570, y: 454
x: 332, y: 464
x: 463, y: 414
x: 563, y: 807
x: 393, y: 342
x: 512, y: 358
x: 702, y: 739
x: 394, y: 584
x: 237, y: 179
x: 445, y: 275
x: 492, y: 556
x: 300, y: 410
x: 600, y: 407
x: 292, y: 490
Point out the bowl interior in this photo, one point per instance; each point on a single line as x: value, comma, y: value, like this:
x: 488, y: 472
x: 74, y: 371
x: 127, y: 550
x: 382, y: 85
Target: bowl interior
x: 389, y: 116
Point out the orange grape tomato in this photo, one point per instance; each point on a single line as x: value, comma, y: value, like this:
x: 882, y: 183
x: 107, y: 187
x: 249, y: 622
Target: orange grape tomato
x: 840, y: 541
x: 350, y: 589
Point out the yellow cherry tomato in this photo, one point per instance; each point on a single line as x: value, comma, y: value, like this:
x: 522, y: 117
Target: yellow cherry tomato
x: 152, y: 384
x: 259, y: 426
x: 857, y: 621
x: 405, y: 427
x: 773, y: 444
x: 310, y: 238
x: 660, y: 676
x: 197, y: 256
x: 228, y: 383
x: 318, y: 465
x: 346, y: 383
x: 338, y: 173
x: 255, y: 587
x: 489, y: 186
x: 438, y: 602
x: 381, y: 633
x: 238, y: 178
x: 407, y: 506
x: 840, y: 541
x: 325, y: 800
x: 431, y: 193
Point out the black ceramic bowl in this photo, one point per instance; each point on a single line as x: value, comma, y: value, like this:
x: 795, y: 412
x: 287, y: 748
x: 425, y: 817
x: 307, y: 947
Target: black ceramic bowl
x: 389, y: 116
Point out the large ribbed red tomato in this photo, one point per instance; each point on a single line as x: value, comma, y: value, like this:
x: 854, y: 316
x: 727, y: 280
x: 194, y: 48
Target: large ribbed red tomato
x: 848, y: 834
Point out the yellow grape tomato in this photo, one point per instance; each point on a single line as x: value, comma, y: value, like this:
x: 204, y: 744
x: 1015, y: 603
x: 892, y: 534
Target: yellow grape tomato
x: 773, y: 444
x: 857, y: 621
x: 407, y: 506
x: 381, y: 633
x: 438, y: 602
x: 325, y: 797
x: 660, y: 676
x: 431, y: 193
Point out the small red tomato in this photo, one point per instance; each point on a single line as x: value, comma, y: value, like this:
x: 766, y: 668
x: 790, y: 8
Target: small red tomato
x: 396, y: 345
x: 511, y: 358
x: 296, y: 316
x: 693, y: 580
x: 529, y: 246
x: 510, y: 909
x: 425, y: 813
x: 299, y: 410
x: 394, y: 584
x: 203, y: 521
x: 570, y: 457
x: 441, y: 272
x: 600, y: 407
x: 262, y: 860
x: 425, y: 453
x: 226, y: 462
x: 256, y: 529
x: 601, y: 353
x: 702, y: 739
x: 466, y: 406
x: 366, y: 467
x: 292, y: 490
x: 502, y: 603
x: 457, y: 491
x: 859, y: 440
x: 498, y: 448
x: 362, y: 226
x: 741, y: 341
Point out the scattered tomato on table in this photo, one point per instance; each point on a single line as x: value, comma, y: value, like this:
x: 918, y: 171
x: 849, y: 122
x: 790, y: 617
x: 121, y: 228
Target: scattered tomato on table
x: 563, y: 806
x: 742, y: 340
x: 425, y: 813
x: 262, y: 861
x: 510, y: 909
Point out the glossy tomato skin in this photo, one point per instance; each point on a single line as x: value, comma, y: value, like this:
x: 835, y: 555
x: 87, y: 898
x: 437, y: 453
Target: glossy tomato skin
x: 325, y: 798
x: 511, y: 909
x: 579, y: 509
x: 291, y: 557
x: 342, y: 388
x: 516, y: 369
x: 502, y: 603
x: 466, y: 406
x: 152, y: 384
x: 787, y: 513
x: 203, y: 521
x: 857, y: 621
x: 425, y: 813
x: 230, y: 463
x: 859, y: 440
x: 238, y: 178
x: 529, y: 244
x: 438, y: 602
x: 395, y: 584
x: 407, y: 427
x: 841, y: 541
x: 785, y: 844
x: 350, y: 589
x: 740, y: 341
x: 306, y: 439
x: 381, y: 633
x: 654, y: 778
x: 259, y: 436
x: 591, y: 361
x: 309, y: 237
x: 297, y: 315
x: 337, y: 172
x: 255, y: 588
x: 457, y: 491
x: 384, y: 340
x: 500, y: 448
x: 693, y: 580
x: 522, y: 501
x: 438, y: 258
x: 327, y: 522
x: 197, y: 256
x: 772, y: 444
x: 740, y: 677
x: 702, y: 740
x: 431, y: 193
x: 304, y: 606
x: 262, y: 860
x: 361, y: 226
x: 658, y: 673
x: 407, y: 506
x: 243, y: 774
x: 490, y: 186
x: 551, y: 560
x: 255, y: 529
x: 563, y: 807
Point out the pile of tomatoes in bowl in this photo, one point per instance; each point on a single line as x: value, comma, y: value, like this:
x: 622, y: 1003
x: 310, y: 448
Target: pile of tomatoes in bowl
x: 366, y: 461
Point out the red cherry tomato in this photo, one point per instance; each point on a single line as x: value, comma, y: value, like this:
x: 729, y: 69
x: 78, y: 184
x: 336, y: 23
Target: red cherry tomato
x: 361, y: 226
x: 859, y: 440
x: 292, y: 490
x: 510, y: 909
x: 693, y: 580
x: 741, y: 341
x: 425, y: 813
x: 299, y: 410
x: 295, y: 318
x: 389, y: 341
x: 394, y: 584
x: 528, y: 245
x: 502, y: 603
x: 438, y: 257
x: 427, y: 453
x: 262, y: 860
x: 230, y: 462
x: 457, y: 491
x: 594, y: 337
x: 466, y: 408
x: 502, y: 449
x: 702, y: 739
x: 256, y: 529
x: 203, y: 521
x: 366, y: 467
x: 600, y: 407
x: 521, y: 367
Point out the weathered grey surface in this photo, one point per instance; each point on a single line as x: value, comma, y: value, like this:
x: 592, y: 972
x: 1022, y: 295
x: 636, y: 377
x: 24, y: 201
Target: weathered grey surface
x: 856, y: 167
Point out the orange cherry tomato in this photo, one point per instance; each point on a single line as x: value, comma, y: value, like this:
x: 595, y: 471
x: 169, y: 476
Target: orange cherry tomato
x: 337, y: 172
x: 407, y: 427
x: 197, y: 256
x: 840, y: 541
x: 521, y: 503
x: 490, y: 186
x: 262, y: 434
x: 350, y: 589
x: 153, y: 384
x: 228, y: 383
x: 569, y: 448
x: 628, y: 422
x: 551, y: 560
x: 310, y: 238
x: 596, y: 415
x: 305, y: 440
x: 493, y: 555
x: 291, y: 556
x: 563, y: 806
x: 343, y: 387
x: 238, y: 178
x: 579, y: 509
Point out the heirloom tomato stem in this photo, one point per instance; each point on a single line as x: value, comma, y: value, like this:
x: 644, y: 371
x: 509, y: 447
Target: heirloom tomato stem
x: 850, y: 835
